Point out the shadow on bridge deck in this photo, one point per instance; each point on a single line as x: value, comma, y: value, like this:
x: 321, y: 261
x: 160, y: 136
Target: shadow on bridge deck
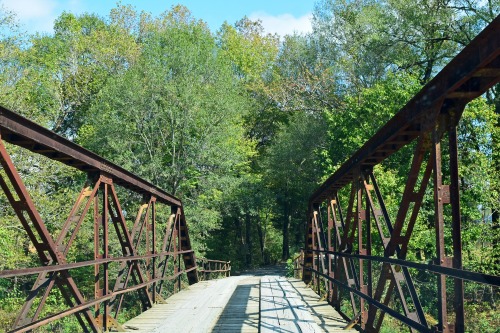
x: 257, y: 301
x: 241, y: 314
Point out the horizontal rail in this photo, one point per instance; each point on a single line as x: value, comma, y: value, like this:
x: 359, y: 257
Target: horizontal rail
x: 86, y: 305
x: 470, y: 74
x: 63, y: 267
x: 450, y: 272
x: 213, y: 270
x: 377, y: 304
x: 212, y: 260
x: 22, y: 132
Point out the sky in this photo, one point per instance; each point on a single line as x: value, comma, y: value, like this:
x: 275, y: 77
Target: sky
x: 277, y: 16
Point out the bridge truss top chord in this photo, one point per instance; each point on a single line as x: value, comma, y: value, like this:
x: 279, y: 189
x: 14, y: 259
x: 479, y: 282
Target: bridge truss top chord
x: 341, y: 251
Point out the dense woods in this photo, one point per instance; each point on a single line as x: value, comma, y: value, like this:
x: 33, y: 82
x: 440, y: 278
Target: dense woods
x: 243, y: 125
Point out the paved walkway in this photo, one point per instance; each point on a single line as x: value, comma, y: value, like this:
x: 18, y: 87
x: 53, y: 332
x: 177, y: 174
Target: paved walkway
x: 233, y: 304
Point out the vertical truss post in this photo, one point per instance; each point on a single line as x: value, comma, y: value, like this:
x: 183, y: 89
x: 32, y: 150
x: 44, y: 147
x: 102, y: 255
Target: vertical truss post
x: 439, y: 193
x: 456, y: 230
x: 101, y: 251
x: 188, y: 258
x: 360, y: 215
x: 178, y: 257
x: 153, y: 248
x: 368, y: 249
x: 315, y: 281
x: 176, y: 245
x: 321, y: 243
x: 331, y: 245
x: 166, y: 246
x: 336, y: 238
x: 345, y: 245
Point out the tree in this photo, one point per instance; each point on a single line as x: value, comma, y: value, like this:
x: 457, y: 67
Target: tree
x: 368, y: 38
x: 184, y: 110
x: 292, y: 172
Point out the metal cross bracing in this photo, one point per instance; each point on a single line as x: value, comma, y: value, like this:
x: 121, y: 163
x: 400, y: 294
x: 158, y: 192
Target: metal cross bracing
x: 151, y: 251
x: 340, y: 252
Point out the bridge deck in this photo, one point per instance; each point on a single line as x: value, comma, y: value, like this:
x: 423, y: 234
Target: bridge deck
x: 247, y: 303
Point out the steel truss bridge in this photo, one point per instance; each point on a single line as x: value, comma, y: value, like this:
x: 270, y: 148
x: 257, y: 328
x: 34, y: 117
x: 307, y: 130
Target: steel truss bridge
x: 340, y: 254
x: 340, y: 251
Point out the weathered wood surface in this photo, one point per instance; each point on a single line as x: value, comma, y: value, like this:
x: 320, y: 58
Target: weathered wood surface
x: 288, y: 305
x: 325, y: 316
x: 193, y: 310
x: 282, y: 309
x: 242, y: 311
x: 232, y: 305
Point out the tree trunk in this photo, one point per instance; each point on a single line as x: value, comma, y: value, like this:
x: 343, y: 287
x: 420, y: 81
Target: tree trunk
x: 261, y: 237
x: 286, y: 225
x: 241, y: 239
x: 248, y: 239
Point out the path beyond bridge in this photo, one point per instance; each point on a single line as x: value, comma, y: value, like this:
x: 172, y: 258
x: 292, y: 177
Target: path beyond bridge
x: 246, y: 303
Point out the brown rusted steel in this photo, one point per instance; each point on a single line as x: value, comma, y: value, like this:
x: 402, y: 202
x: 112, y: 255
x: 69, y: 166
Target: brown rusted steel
x: 57, y: 268
x: 330, y: 247
x: 470, y: 74
x: 22, y: 132
x: 428, y: 118
x: 140, y: 271
x: 46, y: 249
x: 439, y: 226
x: 344, y: 267
x: 458, y: 301
x: 390, y: 273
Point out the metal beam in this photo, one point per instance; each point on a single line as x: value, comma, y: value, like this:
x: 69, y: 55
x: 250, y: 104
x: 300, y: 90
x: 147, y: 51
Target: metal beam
x: 22, y: 132
x: 470, y: 74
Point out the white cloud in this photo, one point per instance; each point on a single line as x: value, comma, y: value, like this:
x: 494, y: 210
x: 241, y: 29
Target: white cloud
x: 31, y: 9
x: 284, y: 24
x: 36, y: 15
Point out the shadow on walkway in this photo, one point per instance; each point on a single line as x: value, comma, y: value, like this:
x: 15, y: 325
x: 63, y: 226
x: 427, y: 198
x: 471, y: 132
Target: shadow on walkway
x: 241, y: 314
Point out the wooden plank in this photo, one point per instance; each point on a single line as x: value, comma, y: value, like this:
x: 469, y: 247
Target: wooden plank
x: 225, y: 305
x: 325, y: 316
x: 269, y: 321
x: 241, y: 313
x: 282, y: 308
x: 233, y: 304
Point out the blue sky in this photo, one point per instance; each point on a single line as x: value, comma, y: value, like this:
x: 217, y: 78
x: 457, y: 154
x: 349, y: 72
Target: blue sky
x: 278, y: 16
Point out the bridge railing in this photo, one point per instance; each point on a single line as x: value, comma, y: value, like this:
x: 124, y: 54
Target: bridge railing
x: 340, y: 254
x: 103, y: 257
x: 298, y: 265
x: 326, y: 284
x: 208, y: 268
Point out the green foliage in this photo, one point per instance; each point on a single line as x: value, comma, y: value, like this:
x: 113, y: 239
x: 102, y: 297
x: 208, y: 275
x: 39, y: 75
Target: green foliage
x: 362, y: 115
x: 290, y: 269
x: 243, y: 126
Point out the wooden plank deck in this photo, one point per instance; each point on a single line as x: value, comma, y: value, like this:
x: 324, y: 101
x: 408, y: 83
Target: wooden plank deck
x: 195, y: 309
x: 247, y: 303
x: 282, y: 309
x: 288, y: 305
x: 242, y: 311
x: 327, y: 318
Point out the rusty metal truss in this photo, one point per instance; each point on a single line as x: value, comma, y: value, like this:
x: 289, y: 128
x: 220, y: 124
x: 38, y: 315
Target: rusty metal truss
x: 338, y: 254
x: 150, y: 249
